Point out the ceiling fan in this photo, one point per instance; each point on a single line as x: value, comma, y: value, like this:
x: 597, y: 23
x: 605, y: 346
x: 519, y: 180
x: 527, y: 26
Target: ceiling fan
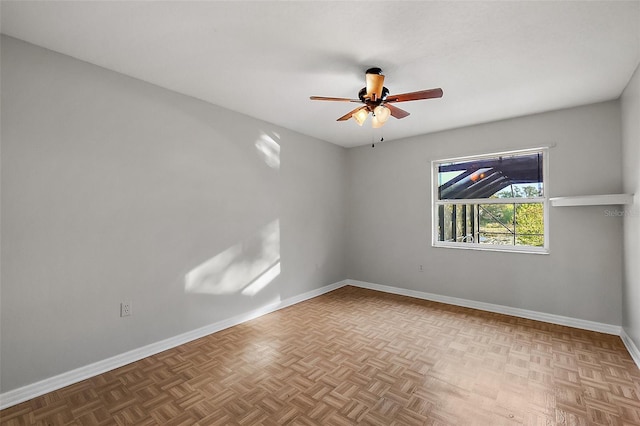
x: 377, y: 101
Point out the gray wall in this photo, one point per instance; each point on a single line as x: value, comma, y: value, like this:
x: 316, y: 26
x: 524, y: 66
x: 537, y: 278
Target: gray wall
x: 115, y: 190
x: 631, y: 166
x: 389, y: 217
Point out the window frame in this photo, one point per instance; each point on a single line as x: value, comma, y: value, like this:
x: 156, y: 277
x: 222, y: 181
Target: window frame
x: 544, y: 200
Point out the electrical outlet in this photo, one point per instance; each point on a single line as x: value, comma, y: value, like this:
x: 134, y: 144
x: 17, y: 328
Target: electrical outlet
x: 421, y: 270
x: 125, y: 309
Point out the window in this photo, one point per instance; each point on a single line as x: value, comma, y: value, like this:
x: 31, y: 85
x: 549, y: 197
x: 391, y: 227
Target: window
x: 494, y: 202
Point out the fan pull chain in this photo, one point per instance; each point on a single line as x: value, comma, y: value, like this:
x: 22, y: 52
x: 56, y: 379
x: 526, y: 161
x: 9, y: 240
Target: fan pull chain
x: 373, y: 144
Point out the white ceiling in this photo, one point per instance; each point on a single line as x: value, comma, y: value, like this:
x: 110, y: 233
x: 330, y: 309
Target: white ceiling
x: 494, y: 60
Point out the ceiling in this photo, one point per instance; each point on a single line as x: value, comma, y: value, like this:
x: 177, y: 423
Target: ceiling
x: 494, y: 60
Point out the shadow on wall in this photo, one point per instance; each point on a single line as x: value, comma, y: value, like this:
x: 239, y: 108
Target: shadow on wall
x: 250, y: 265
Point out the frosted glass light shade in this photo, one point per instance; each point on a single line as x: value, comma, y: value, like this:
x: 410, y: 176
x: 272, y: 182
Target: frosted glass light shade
x: 382, y: 113
x: 360, y: 116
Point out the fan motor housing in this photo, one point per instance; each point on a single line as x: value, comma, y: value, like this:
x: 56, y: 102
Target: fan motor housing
x: 363, y: 92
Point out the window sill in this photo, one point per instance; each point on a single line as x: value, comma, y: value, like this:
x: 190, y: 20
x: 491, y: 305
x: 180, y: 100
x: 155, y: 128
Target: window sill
x: 485, y: 247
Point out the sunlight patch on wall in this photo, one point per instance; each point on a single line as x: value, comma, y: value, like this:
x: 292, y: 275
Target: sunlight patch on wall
x: 252, y: 263
x: 263, y: 280
x: 269, y: 150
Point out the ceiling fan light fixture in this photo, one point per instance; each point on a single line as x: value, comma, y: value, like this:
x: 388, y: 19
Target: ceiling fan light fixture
x: 382, y: 113
x: 376, y: 100
x: 360, y: 116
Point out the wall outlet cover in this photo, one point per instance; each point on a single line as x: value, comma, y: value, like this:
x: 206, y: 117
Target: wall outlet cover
x: 125, y: 309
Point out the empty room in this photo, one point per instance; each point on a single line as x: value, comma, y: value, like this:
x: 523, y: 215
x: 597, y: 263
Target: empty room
x: 320, y: 213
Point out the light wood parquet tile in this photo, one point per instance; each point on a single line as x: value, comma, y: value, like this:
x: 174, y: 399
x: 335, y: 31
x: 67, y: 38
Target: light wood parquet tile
x: 356, y: 356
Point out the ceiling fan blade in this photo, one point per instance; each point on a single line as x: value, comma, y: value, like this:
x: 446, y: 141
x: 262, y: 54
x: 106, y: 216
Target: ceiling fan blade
x: 375, y: 82
x: 415, y: 96
x: 325, y: 98
x: 350, y: 113
x: 397, y: 112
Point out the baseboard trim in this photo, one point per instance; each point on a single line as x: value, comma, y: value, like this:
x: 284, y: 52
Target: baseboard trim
x: 631, y: 347
x: 25, y: 393
x: 490, y: 307
x: 42, y: 387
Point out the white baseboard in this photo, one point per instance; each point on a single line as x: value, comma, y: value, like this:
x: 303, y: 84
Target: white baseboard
x: 631, y: 347
x: 33, y: 390
x: 25, y: 393
x: 490, y: 307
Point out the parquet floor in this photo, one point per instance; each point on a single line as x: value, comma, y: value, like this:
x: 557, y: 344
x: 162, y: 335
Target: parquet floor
x: 356, y: 356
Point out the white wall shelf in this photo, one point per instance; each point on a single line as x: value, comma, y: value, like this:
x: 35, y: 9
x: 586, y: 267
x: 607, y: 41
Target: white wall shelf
x: 592, y: 200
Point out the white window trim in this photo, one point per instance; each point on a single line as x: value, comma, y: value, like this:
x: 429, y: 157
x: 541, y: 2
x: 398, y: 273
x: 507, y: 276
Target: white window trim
x: 435, y: 202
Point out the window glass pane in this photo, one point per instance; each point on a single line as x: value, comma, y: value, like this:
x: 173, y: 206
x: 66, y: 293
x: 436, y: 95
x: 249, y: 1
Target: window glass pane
x: 457, y: 222
x: 496, y: 224
x: 530, y: 224
x: 446, y: 223
x: 504, y: 176
x: 518, y: 224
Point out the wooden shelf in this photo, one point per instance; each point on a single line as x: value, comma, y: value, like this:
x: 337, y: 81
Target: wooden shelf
x: 592, y: 200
